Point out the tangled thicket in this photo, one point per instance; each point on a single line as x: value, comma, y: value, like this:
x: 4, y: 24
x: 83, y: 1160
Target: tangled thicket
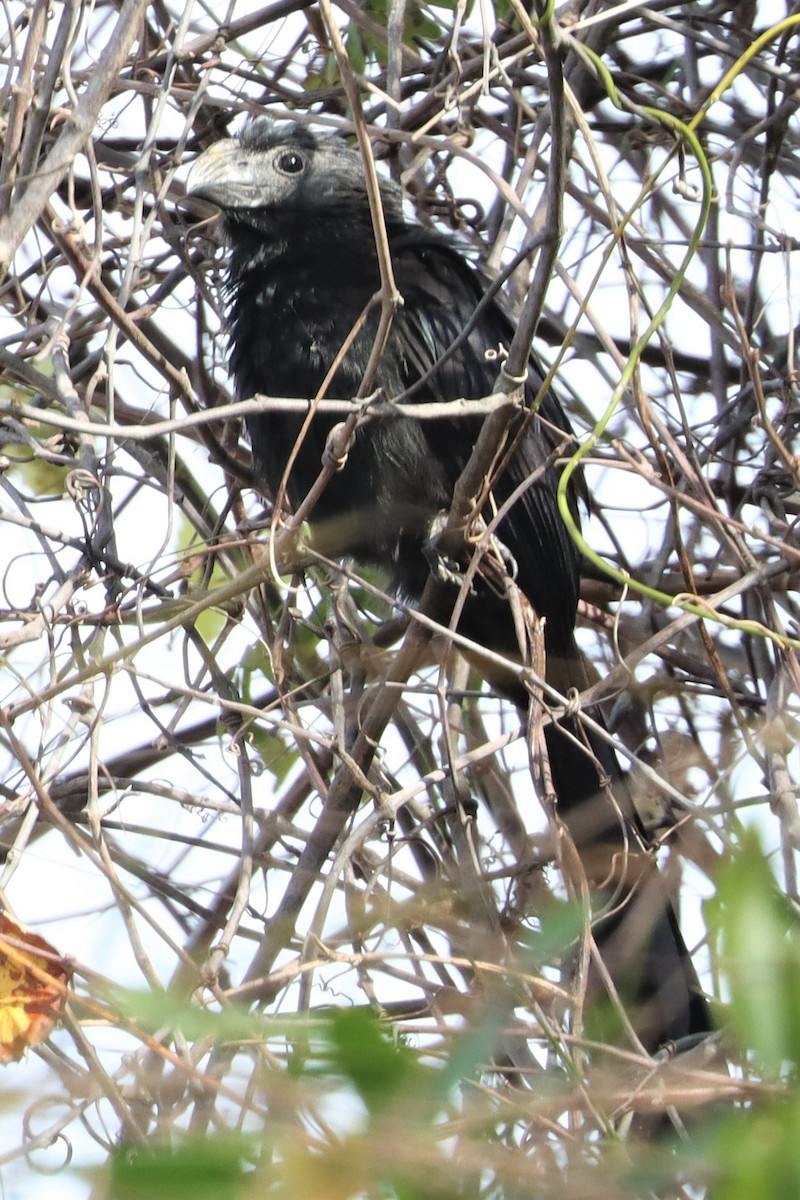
x: 179, y: 711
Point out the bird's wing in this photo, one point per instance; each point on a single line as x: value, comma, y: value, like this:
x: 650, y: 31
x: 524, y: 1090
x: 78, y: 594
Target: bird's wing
x: 441, y: 294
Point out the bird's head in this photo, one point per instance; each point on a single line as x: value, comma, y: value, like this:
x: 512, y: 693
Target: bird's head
x: 270, y: 173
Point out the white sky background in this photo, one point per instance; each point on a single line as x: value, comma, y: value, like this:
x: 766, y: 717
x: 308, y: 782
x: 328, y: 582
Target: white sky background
x: 65, y: 898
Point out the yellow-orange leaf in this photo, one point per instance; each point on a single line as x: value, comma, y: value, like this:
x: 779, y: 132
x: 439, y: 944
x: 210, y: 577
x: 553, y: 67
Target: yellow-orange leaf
x: 33, y: 979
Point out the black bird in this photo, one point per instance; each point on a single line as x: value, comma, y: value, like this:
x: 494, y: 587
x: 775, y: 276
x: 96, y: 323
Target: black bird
x: 303, y: 273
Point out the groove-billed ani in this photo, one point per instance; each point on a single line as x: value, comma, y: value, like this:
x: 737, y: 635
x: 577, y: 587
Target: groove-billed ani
x: 303, y: 275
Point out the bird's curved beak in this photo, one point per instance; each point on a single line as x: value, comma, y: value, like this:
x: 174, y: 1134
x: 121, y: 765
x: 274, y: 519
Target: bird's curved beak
x: 224, y: 175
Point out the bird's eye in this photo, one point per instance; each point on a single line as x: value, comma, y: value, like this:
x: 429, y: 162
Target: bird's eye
x: 290, y: 163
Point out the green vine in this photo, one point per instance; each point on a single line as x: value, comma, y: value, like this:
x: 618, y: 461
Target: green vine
x: 687, y: 135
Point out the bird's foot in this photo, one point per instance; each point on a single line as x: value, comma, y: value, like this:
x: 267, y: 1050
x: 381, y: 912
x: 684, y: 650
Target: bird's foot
x: 505, y: 556
x: 441, y: 548
x: 448, y: 554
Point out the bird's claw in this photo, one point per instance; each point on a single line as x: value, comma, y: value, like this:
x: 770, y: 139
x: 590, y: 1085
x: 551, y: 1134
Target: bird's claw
x: 506, y: 557
x: 444, y: 566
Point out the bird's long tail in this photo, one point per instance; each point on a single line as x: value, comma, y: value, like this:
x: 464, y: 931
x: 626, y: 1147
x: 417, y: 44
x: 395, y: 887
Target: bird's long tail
x: 635, y: 928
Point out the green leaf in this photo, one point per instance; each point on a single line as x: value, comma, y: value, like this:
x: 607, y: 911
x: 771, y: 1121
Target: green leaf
x: 199, y: 1169
x: 355, y: 50
x: 759, y: 953
x: 369, y: 1056
x: 34, y: 475
x: 276, y: 757
x: 560, y: 927
x: 755, y: 1155
x: 159, y: 1011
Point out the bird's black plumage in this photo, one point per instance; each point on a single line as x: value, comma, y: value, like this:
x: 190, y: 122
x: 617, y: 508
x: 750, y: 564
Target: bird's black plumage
x: 303, y: 272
